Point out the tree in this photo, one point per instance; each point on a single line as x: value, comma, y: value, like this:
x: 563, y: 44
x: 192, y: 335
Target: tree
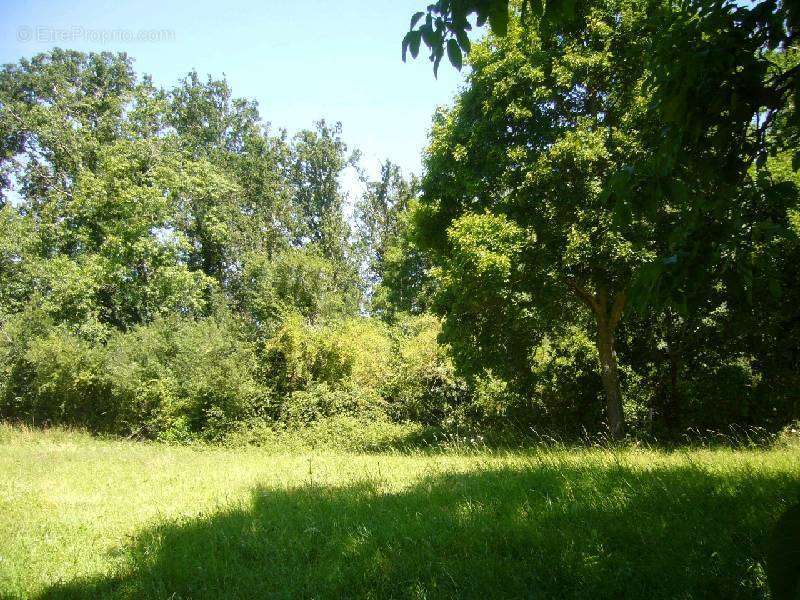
x: 255, y: 212
x: 377, y: 215
x: 405, y: 283
x: 55, y: 112
x: 519, y: 197
x: 297, y: 281
x: 316, y: 161
x: 731, y: 54
x: 150, y: 201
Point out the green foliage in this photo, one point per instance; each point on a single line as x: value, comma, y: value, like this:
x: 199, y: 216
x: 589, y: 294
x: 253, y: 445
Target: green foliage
x: 340, y: 368
x: 406, y: 284
x: 446, y: 26
x: 53, y: 376
x: 517, y: 212
x: 545, y: 193
x: 390, y: 265
x: 158, y: 196
x: 171, y: 379
x: 67, y: 384
x: 161, y: 239
x: 317, y: 160
x: 295, y: 281
x: 724, y: 394
x: 178, y: 379
x: 320, y: 401
x: 338, y: 433
x: 742, y: 58
x: 566, y: 384
x: 424, y: 387
x: 171, y: 269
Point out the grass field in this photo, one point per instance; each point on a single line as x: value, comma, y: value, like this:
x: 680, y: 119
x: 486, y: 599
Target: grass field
x: 83, y: 517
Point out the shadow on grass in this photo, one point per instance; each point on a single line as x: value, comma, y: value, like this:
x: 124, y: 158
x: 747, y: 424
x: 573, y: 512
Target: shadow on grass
x: 546, y: 531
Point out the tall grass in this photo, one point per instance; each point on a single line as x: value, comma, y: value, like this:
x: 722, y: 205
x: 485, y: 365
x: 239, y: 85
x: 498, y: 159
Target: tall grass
x: 90, y: 518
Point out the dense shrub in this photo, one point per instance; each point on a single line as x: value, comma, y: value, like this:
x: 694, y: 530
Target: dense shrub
x: 424, y: 387
x: 320, y: 400
x: 560, y: 395
x: 182, y: 379
x: 178, y: 379
x: 53, y: 376
x: 350, y: 352
x: 173, y: 379
x: 68, y: 383
x: 297, y: 281
x: 567, y: 388
x: 341, y: 432
x: 722, y: 395
x: 492, y: 402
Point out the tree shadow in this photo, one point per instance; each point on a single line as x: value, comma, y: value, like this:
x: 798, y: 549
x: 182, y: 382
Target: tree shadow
x: 548, y: 530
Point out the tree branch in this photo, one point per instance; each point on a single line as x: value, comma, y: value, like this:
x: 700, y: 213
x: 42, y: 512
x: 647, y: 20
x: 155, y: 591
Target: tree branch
x: 583, y: 294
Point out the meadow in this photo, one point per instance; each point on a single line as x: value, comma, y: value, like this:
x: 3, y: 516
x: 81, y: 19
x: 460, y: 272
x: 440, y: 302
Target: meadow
x: 87, y: 517
x: 245, y: 358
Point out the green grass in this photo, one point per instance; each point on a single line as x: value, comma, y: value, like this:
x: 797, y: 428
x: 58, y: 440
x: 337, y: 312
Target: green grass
x: 84, y: 517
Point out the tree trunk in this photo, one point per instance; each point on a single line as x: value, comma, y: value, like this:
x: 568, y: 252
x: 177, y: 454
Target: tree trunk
x: 607, y: 319
x: 610, y: 377
x: 673, y: 416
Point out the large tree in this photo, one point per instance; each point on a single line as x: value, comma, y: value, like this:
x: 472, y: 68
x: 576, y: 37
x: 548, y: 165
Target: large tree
x: 723, y: 78
x: 528, y: 178
x: 139, y: 201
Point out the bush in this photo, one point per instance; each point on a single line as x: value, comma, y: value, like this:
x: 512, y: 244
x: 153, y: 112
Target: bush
x: 180, y: 379
x: 174, y: 379
x: 357, y: 434
x: 364, y: 367
x: 55, y: 377
x: 69, y: 385
x: 492, y: 400
x: 425, y: 387
x: 53, y: 374
x: 297, y: 280
x: 567, y: 391
x: 723, y: 395
x: 351, y: 353
x: 304, y: 407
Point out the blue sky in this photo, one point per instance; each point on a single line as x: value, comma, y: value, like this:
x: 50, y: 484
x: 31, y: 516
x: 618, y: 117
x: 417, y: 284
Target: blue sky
x: 301, y: 60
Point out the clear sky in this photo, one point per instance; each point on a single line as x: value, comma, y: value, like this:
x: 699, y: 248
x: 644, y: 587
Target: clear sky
x: 301, y: 60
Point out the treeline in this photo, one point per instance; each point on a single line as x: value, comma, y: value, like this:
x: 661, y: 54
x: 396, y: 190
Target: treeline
x: 172, y: 268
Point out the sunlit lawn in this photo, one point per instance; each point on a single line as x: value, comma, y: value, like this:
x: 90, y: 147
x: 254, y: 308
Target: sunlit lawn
x: 82, y: 517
